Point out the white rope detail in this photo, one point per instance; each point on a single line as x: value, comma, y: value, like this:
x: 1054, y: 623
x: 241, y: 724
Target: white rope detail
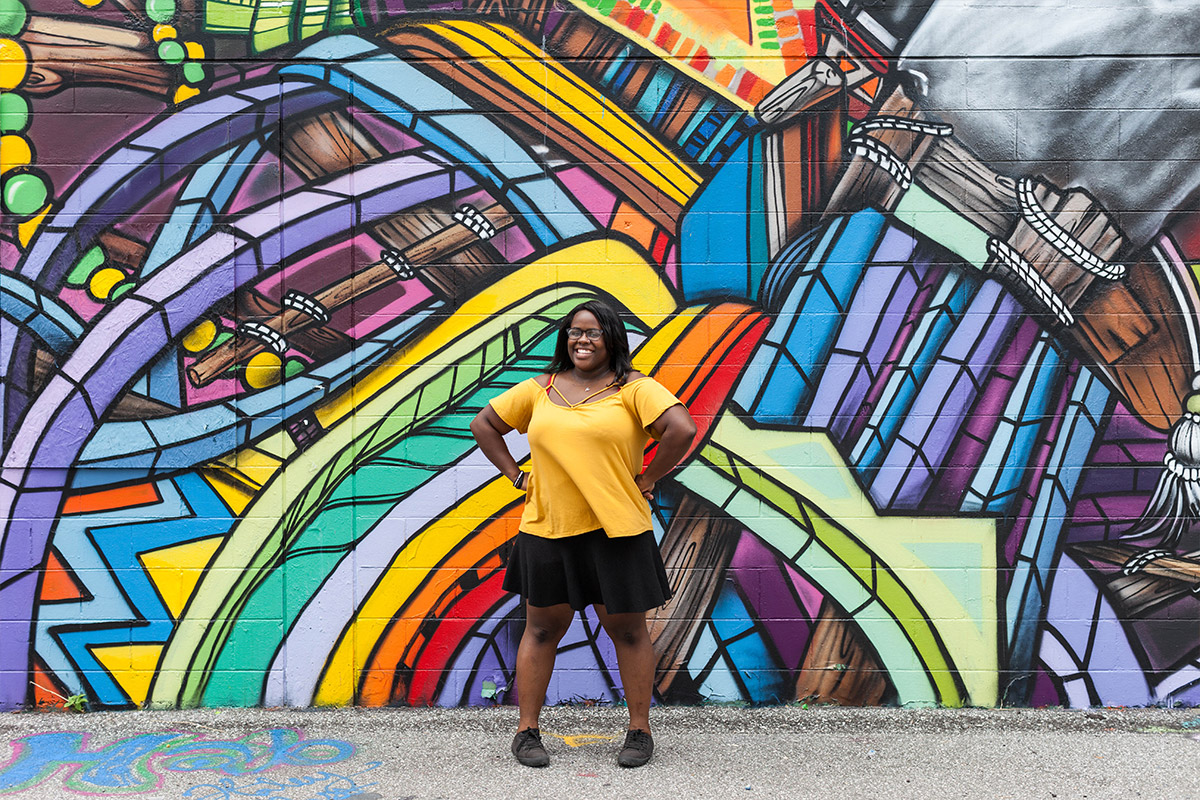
x: 1037, y: 218
x: 398, y: 264
x: 265, y: 335
x: 470, y: 216
x: 894, y: 123
x: 1002, y: 252
x: 1138, y: 562
x: 1179, y: 470
x: 306, y: 305
x: 883, y: 157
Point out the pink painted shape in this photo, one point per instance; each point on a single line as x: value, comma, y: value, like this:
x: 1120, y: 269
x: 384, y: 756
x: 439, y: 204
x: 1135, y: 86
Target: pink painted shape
x: 671, y: 268
x: 810, y: 595
x: 593, y: 195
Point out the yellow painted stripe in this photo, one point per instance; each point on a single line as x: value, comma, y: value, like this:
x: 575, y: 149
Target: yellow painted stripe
x: 662, y: 154
x: 653, y: 349
x: 411, y: 566
x: 576, y: 104
x: 610, y: 265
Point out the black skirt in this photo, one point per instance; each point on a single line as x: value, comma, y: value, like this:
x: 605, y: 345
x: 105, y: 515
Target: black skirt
x: 624, y: 573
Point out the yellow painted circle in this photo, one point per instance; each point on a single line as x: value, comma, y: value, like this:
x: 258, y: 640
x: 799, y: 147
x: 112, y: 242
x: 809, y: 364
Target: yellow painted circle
x: 263, y: 370
x: 103, y: 281
x: 14, y: 66
x: 200, y: 336
x: 90, y: 3
x: 195, y: 50
x: 14, y: 152
x: 161, y: 32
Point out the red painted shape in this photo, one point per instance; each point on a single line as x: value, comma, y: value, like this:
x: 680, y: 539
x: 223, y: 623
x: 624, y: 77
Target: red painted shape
x: 664, y: 36
x: 659, y: 253
x: 701, y: 60
x: 746, y: 85
x: 452, y: 628
x: 635, y: 18
x: 707, y: 389
x: 808, y: 28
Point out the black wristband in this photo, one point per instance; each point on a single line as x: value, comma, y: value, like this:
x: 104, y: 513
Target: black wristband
x: 519, y: 481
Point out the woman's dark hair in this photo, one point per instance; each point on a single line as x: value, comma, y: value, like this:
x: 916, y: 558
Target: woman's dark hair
x: 615, y: 339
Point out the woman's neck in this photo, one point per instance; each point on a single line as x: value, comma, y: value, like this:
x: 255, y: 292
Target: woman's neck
x: 589, y: 376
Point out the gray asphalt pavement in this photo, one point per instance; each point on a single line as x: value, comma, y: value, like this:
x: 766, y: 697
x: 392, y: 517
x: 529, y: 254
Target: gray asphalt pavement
x: 706, y: 752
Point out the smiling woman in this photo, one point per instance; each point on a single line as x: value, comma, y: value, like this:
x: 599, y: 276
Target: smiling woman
x: 585, y: 535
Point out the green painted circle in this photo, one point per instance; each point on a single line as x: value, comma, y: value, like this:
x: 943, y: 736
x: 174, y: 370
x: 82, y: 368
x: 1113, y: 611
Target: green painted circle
x: 171, y: 51
x: 12, y: 17
x: 193, y: 72
x: 14, y: 113
x: 1193, y: 403
x: 160, y: 10
x: 25, y: 194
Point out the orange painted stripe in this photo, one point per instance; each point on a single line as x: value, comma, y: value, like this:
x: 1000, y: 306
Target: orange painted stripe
x: 140, y: 494
x: 402, y: 639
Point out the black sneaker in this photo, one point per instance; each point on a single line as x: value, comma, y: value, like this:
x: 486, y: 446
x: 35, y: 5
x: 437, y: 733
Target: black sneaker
x: 527, y: 747
x: 637, y: 750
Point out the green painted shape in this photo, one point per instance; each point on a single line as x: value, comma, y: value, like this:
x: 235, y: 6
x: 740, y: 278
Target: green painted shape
x: 13, y: 17
x: 314, y: 17
x: 228, y: 17
x: 193, y: 72
x: 958, y: 565
x: 171, y: 51
x: 925, y: 213
x: 160, y: 11
x: 25, y: 194
x: 271, y: 563
x: 906, y: 669
x: 88, y: 263
x: 807, y: 456
x: 14, y: 113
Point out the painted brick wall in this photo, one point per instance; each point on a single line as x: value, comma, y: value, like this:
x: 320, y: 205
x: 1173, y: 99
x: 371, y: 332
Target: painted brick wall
x: 923, y: 272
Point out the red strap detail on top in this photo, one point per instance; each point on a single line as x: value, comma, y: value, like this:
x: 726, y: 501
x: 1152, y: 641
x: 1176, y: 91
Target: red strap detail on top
x: 550, y: 385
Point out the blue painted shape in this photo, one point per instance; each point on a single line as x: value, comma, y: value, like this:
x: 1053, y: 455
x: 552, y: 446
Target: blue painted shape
x: 809, y: 319
x: 1033, y: 573
x: 41, y: 314
x: 197, y: 513
x: 714, y: 236
x: 655, y: 92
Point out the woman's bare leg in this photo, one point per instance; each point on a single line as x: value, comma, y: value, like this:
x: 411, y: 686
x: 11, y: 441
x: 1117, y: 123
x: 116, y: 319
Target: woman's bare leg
x: 544, y: 628
x: 636, y: 659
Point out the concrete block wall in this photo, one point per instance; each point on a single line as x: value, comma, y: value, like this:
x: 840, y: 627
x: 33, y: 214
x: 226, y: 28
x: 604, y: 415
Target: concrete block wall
x: 923, y: 272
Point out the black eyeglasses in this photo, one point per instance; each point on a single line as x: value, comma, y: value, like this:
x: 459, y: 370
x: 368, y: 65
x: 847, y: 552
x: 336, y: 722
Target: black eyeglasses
x: 593, y: 334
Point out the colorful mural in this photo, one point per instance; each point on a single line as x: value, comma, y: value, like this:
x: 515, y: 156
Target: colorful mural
x: 925, y: 277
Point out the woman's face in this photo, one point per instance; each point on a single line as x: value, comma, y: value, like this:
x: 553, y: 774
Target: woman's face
x: 587, y: 354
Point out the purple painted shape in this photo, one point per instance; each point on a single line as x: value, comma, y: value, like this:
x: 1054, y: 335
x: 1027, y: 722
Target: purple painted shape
x: 1045, y: 693
x: 984, y: 417
x: 896, y: 246
x: 873, y: 319
x: 758, y: 570
x: 182, y: 288
x: 895, y: 346
x: 1111, y: 665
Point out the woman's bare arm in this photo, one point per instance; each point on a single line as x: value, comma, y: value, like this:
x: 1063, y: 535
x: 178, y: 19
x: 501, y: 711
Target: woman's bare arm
x: 488, y: 430
x: 675, y: 431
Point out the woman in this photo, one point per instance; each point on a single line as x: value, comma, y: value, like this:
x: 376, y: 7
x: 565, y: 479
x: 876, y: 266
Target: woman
x: 585, y: 536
